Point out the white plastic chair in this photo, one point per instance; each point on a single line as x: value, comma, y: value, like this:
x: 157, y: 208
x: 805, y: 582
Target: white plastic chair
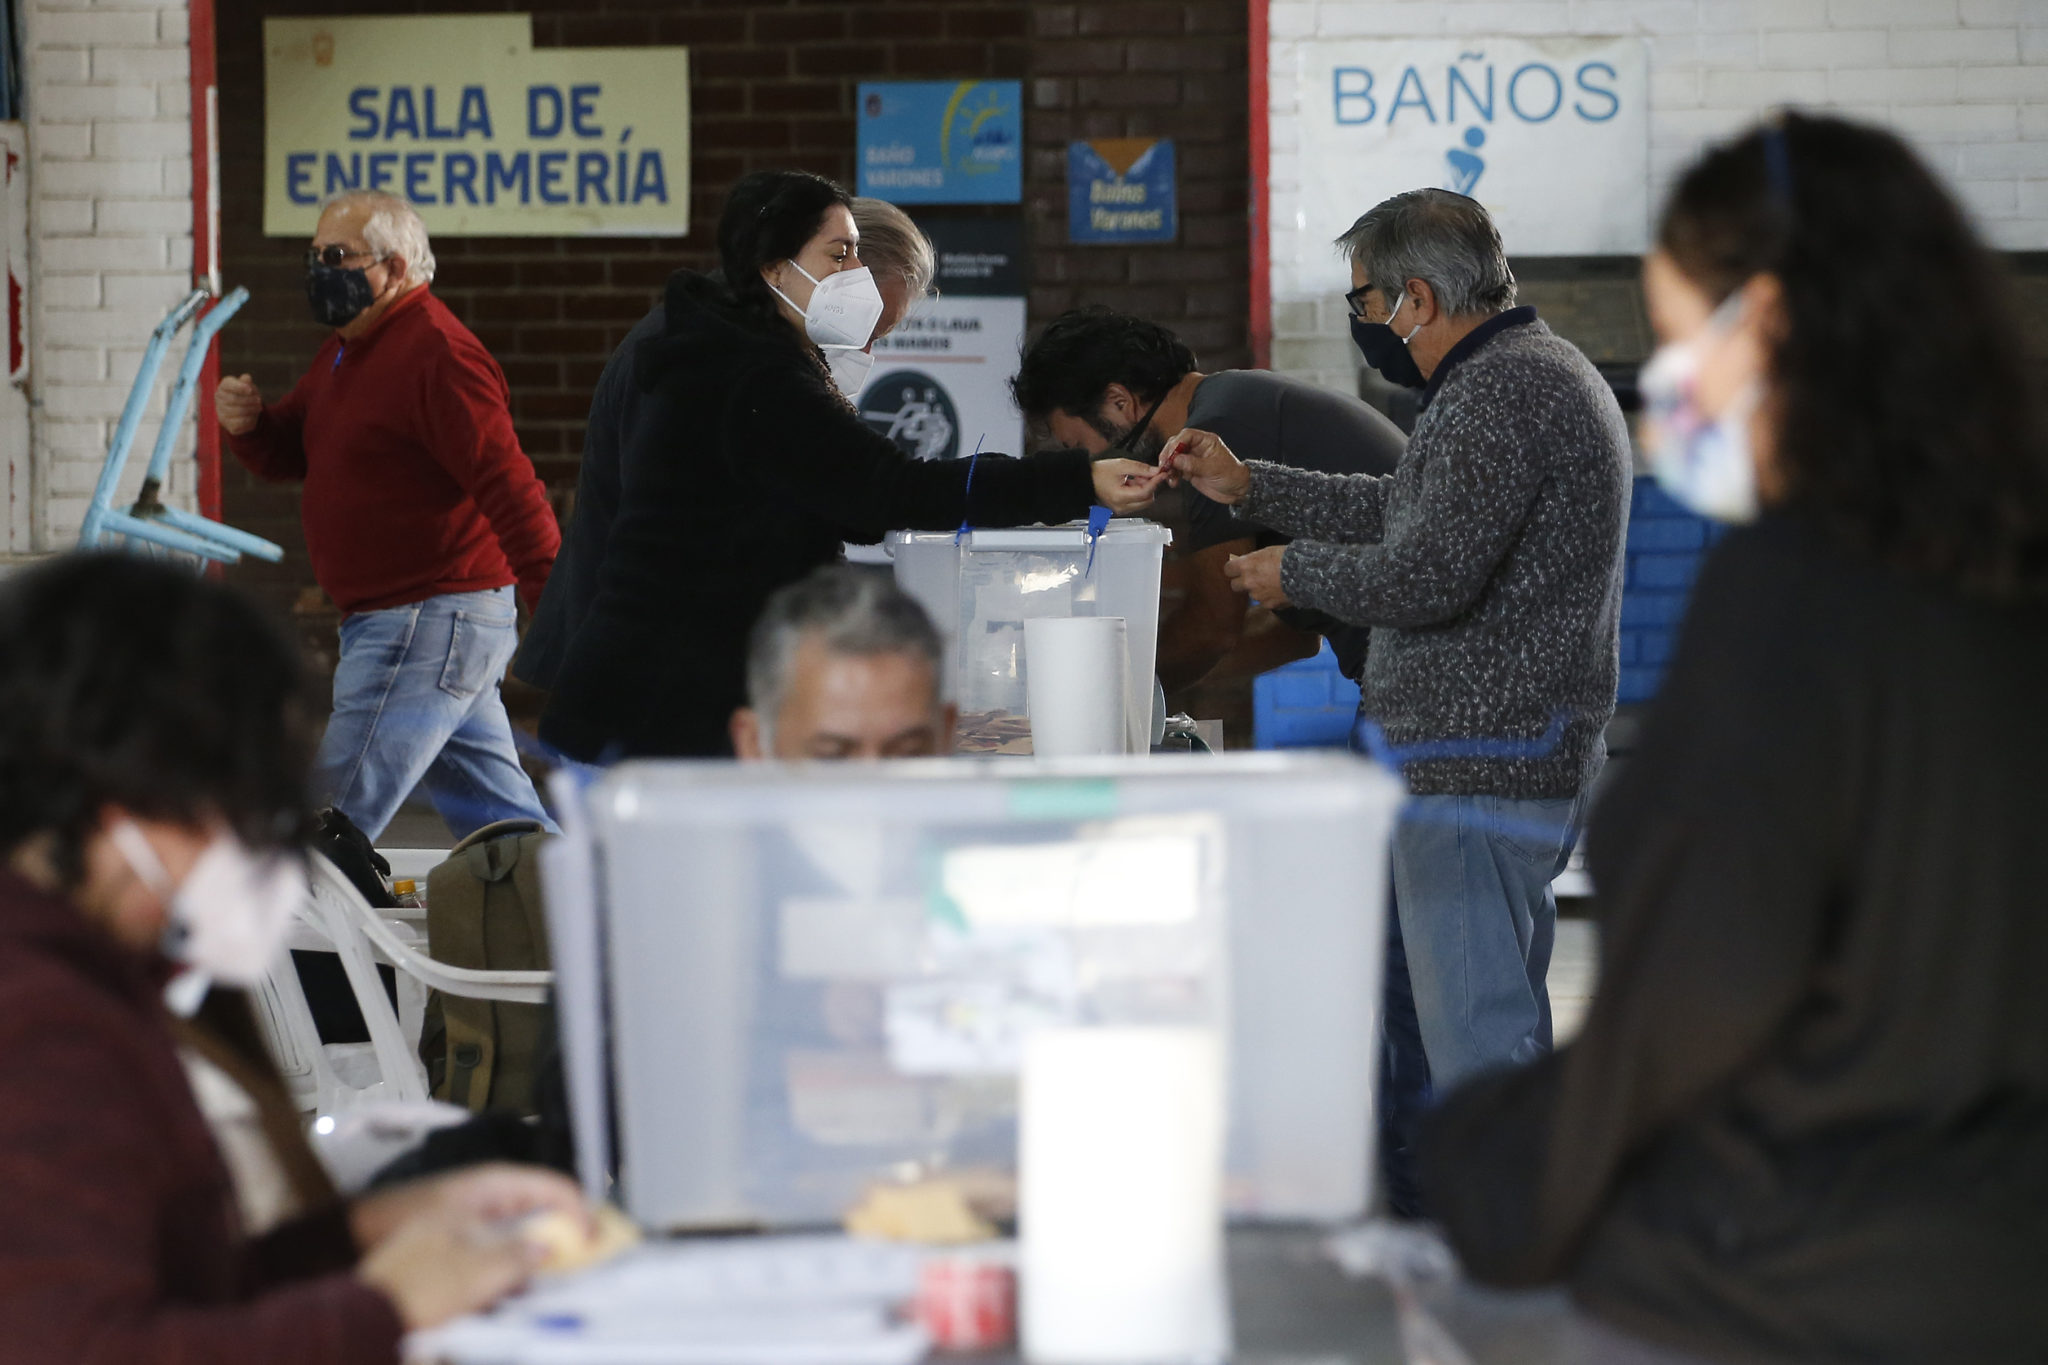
x: 322, y: 1078
x: 336, y: 1077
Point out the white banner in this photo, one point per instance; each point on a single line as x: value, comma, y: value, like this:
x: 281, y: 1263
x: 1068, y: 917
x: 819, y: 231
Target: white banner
x: 941, y: 382
x: 1551, y: 134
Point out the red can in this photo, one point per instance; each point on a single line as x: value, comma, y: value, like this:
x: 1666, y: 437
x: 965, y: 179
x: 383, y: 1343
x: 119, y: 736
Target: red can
x: 967, y: 1300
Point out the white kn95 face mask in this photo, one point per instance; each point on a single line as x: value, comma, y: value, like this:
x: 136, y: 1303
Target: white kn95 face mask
x: 229, y: 917
x: 844, y: 307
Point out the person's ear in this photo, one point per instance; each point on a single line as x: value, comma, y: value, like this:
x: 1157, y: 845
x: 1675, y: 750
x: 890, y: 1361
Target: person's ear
x: 745, y: 728
x: 1422, y: 304
x: 1121, y: 401
x: 397, y: 270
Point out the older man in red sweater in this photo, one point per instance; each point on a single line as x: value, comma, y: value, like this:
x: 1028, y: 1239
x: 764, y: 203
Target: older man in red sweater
x: 421, y: 513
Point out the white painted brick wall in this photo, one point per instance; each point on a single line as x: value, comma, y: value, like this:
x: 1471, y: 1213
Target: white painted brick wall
x: 1965, y: 80
x: 110, y: 236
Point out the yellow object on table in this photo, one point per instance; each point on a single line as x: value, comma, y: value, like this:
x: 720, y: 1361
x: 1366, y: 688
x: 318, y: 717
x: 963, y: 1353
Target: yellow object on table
x: 572, y: 1245
x: 933, y: 1212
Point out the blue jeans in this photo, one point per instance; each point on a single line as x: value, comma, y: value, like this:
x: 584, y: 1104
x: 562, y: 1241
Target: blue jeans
x: 1468, y: 951
x: 416, y: 699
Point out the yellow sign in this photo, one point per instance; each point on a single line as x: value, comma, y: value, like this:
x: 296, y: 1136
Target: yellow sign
x: 480, y: 131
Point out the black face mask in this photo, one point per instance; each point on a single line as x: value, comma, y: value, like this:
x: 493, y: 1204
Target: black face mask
x: 1129, y: 442
x: 1386, y: 352
x: 338, y: 296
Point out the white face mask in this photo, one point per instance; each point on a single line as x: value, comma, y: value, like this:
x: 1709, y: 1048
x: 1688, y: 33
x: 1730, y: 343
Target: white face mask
x: 844, y: 308
x: 850, y: 368
x: 1704, y: 463
x: 230, y: 914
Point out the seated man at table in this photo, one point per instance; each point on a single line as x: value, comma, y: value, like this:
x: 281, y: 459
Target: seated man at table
x: 843, y: 664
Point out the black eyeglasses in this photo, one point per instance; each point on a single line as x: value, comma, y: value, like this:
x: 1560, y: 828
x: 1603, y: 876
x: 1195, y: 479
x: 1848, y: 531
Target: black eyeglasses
x: 1355, y: 300
x: 333, y: 254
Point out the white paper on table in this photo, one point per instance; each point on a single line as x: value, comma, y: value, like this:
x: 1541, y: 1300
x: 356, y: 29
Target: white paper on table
x: 745, y: 1301
x: 1120, y: 1170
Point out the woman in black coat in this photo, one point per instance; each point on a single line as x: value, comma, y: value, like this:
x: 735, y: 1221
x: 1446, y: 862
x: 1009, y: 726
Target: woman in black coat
x: 1807, y: 1119
x: 766, y: 472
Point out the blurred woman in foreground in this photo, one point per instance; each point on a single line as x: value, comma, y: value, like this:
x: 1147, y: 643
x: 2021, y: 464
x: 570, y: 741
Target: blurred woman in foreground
x: 154, y: 740
x: 1808, y: 1116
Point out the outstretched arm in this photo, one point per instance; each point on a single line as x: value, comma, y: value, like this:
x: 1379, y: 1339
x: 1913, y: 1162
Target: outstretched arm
x: 1295, y: 502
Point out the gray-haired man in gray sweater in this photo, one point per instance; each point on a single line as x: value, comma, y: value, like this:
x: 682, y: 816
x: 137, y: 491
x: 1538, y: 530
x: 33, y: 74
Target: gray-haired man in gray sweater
x: 1489, y: 566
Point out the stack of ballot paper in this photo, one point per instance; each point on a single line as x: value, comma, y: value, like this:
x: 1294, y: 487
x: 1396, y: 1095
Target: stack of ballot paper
x: 813, y: 1300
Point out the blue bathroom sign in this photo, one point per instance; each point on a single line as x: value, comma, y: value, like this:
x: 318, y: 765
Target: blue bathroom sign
x: 1121, y: 190
x: 941, y: 142
x: 1552, y: 135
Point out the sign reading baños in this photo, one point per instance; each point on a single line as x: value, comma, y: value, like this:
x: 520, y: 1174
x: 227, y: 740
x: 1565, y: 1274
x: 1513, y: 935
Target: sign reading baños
x: 482, y: 133
x: 1551, y: 134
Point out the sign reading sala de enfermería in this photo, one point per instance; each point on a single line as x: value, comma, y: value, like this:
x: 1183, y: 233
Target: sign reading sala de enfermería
x: 483, y: 133
x: 1550, y: 134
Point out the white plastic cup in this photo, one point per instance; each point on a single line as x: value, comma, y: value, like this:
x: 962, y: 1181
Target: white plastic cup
x: 1075, y: 674
x: 1121, y: 1197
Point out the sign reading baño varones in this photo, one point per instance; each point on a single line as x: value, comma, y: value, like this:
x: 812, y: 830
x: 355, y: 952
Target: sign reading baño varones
x: 483, y: 133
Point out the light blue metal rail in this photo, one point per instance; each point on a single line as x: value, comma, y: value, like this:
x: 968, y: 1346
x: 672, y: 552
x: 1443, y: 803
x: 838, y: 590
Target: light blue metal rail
x: 149, y: 521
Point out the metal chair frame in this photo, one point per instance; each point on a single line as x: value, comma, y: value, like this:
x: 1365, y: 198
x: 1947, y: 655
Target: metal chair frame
x: 149, y: 521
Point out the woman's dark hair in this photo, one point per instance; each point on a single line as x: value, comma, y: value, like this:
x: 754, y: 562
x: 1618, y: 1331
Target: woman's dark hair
x: 768, y: 217
x: 1905, y: 422
x: 134, y: 683
x: 1083, y: 351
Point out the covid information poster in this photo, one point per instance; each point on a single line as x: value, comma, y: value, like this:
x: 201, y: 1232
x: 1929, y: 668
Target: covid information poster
x: 941, y: 382
x: 484, y: 134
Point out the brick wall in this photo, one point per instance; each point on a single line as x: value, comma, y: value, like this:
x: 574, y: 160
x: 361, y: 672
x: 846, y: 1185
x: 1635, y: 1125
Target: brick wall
x: 1146, y: 70
x: 110, y: 235
x: 772, y: 86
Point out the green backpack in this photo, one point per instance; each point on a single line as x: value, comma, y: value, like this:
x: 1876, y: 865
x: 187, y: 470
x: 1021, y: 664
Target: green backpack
x: 484, y: 911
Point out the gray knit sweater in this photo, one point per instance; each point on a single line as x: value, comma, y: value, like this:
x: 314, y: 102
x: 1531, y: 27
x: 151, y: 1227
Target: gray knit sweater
x: 1488, y: 564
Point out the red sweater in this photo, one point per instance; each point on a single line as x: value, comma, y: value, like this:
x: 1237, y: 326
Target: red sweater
x: 415, y: 482
x: 119, y: 1239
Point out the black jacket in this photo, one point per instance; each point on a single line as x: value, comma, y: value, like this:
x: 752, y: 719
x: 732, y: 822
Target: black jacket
x: 625, y: 424
x: 760, y: 474
x: 1807, y: 1118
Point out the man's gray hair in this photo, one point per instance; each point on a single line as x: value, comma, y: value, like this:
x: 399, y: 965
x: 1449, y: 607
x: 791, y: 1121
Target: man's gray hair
x: 392, y: 229
x: 891, y: 244
x: 1439, y: 237
x: 848, y: 610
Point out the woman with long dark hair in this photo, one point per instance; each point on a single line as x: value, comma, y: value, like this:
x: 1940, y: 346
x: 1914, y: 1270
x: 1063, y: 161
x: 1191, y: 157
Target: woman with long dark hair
x: 1807, y: 1118
x: 769, y: 472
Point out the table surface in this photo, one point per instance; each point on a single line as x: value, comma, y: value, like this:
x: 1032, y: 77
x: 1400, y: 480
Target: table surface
x: 1292, y: 1305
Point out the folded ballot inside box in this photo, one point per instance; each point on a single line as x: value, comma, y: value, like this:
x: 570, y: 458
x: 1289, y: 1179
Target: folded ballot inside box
x: 823, y: 978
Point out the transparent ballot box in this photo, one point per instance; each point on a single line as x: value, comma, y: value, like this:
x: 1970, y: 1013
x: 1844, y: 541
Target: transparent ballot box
x: 980, y: 591
x: 821, y: 977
